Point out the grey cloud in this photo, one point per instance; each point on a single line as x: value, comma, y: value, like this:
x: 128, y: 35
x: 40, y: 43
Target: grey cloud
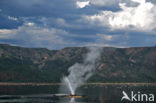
x: 31, y: 35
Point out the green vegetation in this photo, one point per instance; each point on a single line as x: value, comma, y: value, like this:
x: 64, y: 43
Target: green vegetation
x: 19, y: 64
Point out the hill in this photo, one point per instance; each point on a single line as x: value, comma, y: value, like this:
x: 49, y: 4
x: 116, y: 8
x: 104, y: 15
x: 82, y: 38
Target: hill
x: 18, y: 64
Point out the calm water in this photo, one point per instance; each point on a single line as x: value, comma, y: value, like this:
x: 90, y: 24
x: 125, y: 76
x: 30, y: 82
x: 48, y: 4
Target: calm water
x: 45, y: 94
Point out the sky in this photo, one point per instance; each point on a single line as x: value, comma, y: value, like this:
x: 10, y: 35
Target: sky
x: 56, y: 24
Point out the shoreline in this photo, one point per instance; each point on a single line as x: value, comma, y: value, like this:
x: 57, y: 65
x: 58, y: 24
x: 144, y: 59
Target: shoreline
x: 55, y: 84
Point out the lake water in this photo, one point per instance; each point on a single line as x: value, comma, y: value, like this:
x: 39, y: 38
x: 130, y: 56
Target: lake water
x: 94, y: 93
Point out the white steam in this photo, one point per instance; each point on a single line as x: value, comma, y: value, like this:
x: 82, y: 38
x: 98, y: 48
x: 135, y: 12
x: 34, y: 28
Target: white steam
x: 79, y: 73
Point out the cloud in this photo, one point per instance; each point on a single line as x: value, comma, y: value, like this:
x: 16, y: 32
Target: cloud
x: 82, y: 4
x: 107, y: 40
x: 12, y: 18
x: 29, y: 24
x: 108, y: 3
x: 6, y: 33
x: 105, y: 37
x: 103, y: 2
x: 37, y: 7
x: 99, y: 19
x: 57, y: 24
x: 140, y: 17
x: 129, y: 39
x: 31, y: 35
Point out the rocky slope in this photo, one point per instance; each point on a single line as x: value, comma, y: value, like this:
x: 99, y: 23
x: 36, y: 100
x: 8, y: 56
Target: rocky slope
x: 19, y: 64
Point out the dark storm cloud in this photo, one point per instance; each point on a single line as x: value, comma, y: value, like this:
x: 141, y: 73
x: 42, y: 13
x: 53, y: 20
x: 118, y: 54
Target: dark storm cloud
x: 65, y: 9
x: 46, y: 8
x: 34, y: 8
x: 28, y: 8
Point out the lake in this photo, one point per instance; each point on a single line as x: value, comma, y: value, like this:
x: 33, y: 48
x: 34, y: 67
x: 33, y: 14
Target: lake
x: 95, y: 93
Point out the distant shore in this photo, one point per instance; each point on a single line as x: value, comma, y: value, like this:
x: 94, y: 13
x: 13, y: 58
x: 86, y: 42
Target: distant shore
x: 53, y: 84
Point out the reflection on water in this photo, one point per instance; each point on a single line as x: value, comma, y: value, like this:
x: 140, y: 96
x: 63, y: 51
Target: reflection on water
x: 46, y: 94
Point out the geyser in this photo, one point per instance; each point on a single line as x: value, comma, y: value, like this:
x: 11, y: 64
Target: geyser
x: 69, y: 85
x: 79, y: 73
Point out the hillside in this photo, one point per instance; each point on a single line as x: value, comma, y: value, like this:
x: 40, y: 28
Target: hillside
x: 18, y: 64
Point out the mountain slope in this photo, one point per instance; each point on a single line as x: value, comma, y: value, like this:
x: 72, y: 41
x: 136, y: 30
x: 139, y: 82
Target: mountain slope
x: 19, y: 64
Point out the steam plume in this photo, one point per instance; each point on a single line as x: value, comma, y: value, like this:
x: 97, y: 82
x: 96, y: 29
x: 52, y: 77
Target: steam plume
x: 80, y: 73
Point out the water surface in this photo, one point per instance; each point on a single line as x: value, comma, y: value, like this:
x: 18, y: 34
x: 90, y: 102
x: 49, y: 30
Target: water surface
x: 45, y: 93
